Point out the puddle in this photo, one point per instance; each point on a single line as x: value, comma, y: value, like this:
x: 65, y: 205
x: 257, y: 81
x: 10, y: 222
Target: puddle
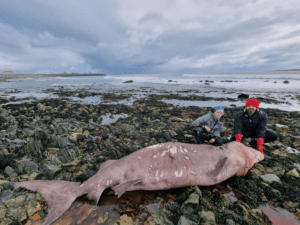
x: 279, y: 216
x: 133, y: 203
x: 108, y: 118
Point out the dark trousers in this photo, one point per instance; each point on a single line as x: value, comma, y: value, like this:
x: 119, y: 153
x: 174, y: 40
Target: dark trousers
x: 269, y: 137
x: 201, y: 136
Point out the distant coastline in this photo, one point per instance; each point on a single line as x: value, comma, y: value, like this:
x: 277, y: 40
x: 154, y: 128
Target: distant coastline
x: 5, y: 77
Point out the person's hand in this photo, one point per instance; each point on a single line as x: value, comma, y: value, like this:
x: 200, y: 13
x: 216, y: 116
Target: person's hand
x: 212, y: 140
x: 207, y: 128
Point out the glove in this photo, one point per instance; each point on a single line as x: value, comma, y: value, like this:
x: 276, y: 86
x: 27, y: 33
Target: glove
x: 238, y: 137
x: 260, y: 142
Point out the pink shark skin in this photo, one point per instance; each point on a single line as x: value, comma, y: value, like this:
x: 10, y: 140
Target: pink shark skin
x: 157, y: 167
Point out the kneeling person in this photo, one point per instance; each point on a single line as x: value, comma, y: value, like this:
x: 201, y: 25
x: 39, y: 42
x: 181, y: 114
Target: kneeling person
x: 209, y: 127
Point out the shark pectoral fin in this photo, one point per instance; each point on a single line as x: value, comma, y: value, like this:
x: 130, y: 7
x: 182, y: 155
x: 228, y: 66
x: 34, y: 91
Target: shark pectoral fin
x: 58, y: 194
x: 124, y: 186
x: 107, y: 163
x: 213, y: 174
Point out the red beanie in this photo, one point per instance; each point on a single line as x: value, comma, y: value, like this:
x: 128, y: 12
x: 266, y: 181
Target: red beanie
x: 252, y: 101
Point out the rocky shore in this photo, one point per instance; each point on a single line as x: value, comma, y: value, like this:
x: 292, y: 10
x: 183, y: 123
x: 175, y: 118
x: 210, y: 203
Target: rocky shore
x: 59, y: 139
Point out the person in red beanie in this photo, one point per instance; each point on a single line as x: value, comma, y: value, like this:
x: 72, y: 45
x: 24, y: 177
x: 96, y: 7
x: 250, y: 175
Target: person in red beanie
x: 252, y: 122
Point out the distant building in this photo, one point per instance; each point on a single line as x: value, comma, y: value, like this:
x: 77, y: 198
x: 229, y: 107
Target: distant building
x: 8, y: 72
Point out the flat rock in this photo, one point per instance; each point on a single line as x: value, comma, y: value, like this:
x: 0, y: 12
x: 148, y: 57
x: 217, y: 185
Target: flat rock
x: 269, y: 178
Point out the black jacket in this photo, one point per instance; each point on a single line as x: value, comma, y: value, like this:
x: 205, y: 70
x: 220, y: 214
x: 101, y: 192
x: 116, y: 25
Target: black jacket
x: 254, y: 126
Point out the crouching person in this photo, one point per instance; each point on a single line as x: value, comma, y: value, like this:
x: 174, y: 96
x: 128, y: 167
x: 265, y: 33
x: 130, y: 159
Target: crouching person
x: 209, y: 127
x: 252, y: 122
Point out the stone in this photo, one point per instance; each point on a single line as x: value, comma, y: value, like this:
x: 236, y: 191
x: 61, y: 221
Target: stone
x: 293, y: 173
x: 16, y: 202
x: 6, y: 221
x: 125, y: 220
x: 10, y: 172
x: 7, y: 194
x: 269, y: 178
x: 26, y: 167
x: 154, y: 207
x: 3, y: 210
x: 230, y: 222
x: 207, y: 217
x: 243, y: 96
x: 297, y: 165
x: 159, y: 218
x: 128, y: 81
x: 189, y: 207
x: 17, y: 214
x: 51, y: 170
x: 74, y: 136
x: 185, y: 221
x: 53, y: 151
x: 41, y: 107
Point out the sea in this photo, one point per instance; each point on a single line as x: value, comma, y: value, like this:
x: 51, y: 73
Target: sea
x: 278, y: 85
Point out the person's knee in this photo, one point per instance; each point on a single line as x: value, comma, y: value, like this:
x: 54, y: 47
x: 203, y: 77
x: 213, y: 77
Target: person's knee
x: 218, y: 141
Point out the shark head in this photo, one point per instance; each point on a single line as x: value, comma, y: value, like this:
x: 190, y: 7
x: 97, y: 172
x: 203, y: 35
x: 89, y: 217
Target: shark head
x: 251, y: 156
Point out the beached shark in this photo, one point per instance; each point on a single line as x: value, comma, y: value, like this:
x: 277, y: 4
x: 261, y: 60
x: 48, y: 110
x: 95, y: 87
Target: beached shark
x: 157, y: 167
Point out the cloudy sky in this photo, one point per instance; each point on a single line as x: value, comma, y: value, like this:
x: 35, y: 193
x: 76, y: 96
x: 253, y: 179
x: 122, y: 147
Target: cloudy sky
x: 157, y: 36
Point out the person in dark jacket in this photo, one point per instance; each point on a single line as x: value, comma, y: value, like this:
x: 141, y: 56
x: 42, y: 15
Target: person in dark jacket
x: 252, y: 122
x: 209, y: 127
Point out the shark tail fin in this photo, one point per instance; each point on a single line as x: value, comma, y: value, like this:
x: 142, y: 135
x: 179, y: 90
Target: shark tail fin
x: 59, y: 195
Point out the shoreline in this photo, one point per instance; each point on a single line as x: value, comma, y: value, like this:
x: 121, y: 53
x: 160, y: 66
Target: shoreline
x: 20, y: 76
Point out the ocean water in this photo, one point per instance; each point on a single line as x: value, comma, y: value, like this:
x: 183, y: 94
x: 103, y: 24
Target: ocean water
x: 267, y: 84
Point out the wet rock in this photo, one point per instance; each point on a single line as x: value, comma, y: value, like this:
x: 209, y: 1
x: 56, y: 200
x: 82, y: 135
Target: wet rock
x: 41, y: 107
x: 3, y: 210
x: 7, y: 194
x: 269, y: 178
x: 207, y: 217
x: 185, y: 221
x: 293, y: 173
x: 243, y: 96
x: 6, y: 221
x: 230, y: 222
x: 10, y: 172
x: 190, y: 206
x: 11, y: 132
x: 128, y: 81
x: 124, y: 219
x: 51, y: 170
x: 16, y: 214
x: 152, y: 208
x: 167, y: 136
x: 159, y: 218
x: 26, y: 167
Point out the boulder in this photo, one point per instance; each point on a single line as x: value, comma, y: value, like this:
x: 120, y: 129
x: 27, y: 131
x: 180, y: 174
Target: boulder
x: 51, y: 170
x: 26, y: 167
